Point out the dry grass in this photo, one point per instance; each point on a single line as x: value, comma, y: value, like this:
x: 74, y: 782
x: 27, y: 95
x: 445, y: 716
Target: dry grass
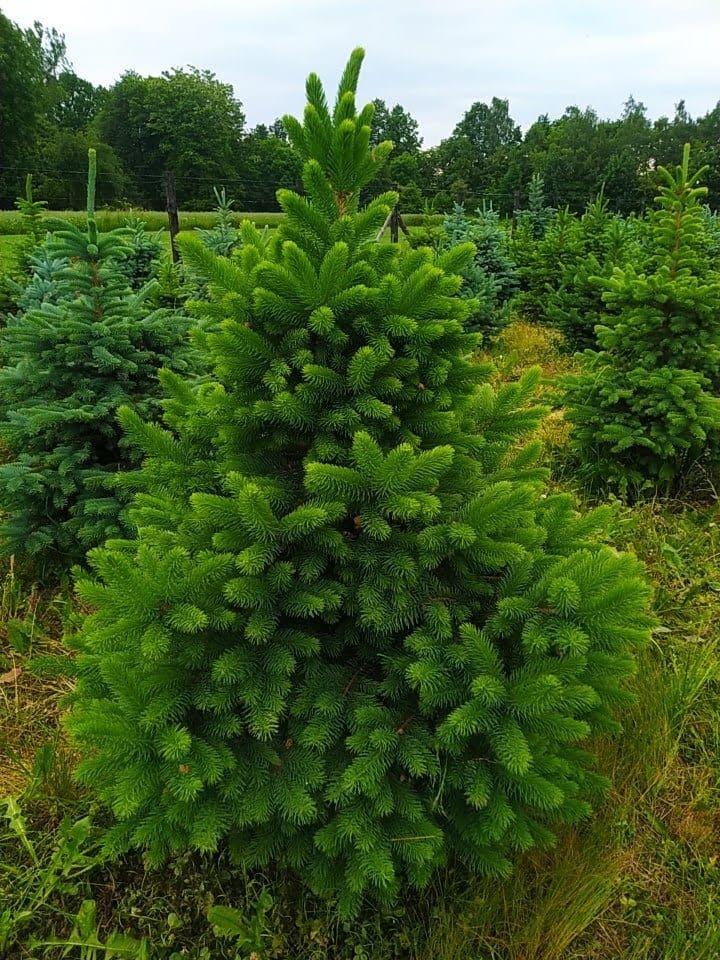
x: 31, y: 690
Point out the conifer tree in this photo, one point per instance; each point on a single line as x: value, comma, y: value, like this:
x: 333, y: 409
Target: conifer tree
x: 223, y: 237
x: 528, y: 229
x: 81, y: 350
x: 13, y: 281
x: 575, y: 306
x: 353, y: 633
x: 44, y: 284
x: 542, y: 269
x: 712, y: 225
x: 32, y: 213
x: 490, y: 279
x: 143, y: 252
x: 647, y: 406
x: 537, y: 216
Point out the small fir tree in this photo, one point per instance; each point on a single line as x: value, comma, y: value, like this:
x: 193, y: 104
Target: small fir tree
x: 575, y: 306
x: 529, y: 227
x: 71, y: 360
x: 353, y: 632
x: 45, y: 271
x: 13, y: 281
x: 490, y: 279
x: 542, y: 268
x: 712, y: 225
x: 537, y: 216
x: 223, y: 237
x: 144, y: 249
x: 646, y: 407
x: 32, y: 212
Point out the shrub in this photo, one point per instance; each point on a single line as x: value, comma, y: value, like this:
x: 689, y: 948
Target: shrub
x: 646, y: 407
x: 353, y: 632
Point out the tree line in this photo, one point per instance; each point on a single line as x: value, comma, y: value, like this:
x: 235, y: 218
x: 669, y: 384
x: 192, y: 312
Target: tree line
x: 190, y: 122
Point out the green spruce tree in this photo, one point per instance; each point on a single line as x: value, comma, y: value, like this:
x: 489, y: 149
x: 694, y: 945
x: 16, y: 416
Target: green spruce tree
x: 354, y: 633
x: 575, y: 306
x: 14, y: 279
x: 81, y: 350
x: 223, y: 237
x: 144, y: 250
x: 712, y: 225
x: 646, y: 408
x: 543, y: 267
x: 529, y: 227
x: 32, y: 213
x: 537, y: 216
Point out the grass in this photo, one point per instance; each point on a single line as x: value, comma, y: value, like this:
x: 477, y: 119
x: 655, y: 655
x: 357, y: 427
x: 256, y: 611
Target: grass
x: 10, y: 246
x: 11, y: 221
x: 638, y: 882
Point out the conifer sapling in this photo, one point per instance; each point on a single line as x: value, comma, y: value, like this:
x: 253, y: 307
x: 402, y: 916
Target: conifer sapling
x: 353, y: 634
x: 85, y: 345
x: 646, y: 407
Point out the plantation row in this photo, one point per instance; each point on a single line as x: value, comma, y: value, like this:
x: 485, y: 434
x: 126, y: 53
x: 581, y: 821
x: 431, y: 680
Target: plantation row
x: 335, y: 620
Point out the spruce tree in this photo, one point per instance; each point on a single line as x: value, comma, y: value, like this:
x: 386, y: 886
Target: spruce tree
x: 537, y: 216
x: 712, y: 225
x: 542, y: 268
x: 144, y: 249
x: 575, y: 306
x: 45, y: 271
x: 32, y: 212
x: 646, y: 408
x: 529, y: 227
x: 354, y: 634
x: 490, y: 279
x: 80, y: 350
x: 13, y: 281
x: 222, y: 238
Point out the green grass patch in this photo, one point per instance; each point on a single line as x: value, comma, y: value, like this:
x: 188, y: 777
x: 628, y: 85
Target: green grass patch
x: 10, y: 247
x: 11, y: 222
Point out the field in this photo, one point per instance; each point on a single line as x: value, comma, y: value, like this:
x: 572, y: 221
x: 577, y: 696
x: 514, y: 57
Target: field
x: 639, y: 883
x: 11, y: 222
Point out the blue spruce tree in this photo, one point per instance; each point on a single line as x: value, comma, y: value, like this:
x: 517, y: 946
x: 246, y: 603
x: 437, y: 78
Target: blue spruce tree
x: 490, y: 279
x: 354, y: 634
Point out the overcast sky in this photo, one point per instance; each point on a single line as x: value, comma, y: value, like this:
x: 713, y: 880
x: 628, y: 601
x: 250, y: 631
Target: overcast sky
x: 435, y: 57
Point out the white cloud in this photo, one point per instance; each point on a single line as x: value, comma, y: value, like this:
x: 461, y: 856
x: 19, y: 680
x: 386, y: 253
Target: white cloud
x: 434, y: 56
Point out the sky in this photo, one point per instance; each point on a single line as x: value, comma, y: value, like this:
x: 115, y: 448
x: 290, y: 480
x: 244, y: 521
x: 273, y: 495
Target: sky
x: 435, y: 57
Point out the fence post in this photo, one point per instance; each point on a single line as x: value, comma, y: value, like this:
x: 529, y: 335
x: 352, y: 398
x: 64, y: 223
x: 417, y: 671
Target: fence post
x: 172, y: 212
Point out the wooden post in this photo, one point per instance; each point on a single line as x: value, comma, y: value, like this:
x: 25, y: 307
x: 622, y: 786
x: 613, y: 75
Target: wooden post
x: 172, y: 212
x: 396, y: 223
